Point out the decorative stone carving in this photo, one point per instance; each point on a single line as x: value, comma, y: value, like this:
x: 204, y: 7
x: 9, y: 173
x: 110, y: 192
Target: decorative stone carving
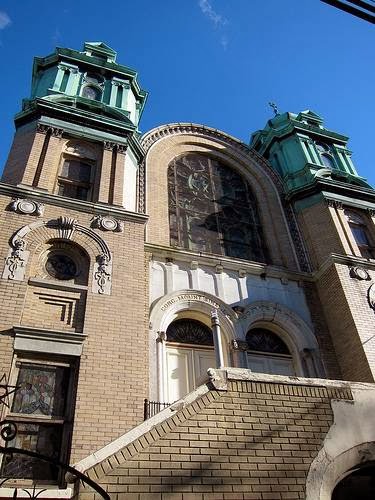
x: 80, y: 150
x: 360, y: 273
x: 42, y: 129
x: 371, y: 296
x: 66, y: 227
x: 25, y: 206
x: 161, y: 337
x: 107, y: 223
x: 110, y: 146
x: 219, y: 269
x: 194, y: 264
x: 371, y: 212
x: 242, y: 273
x: 102, y: 274
x: 239, y: 345
x: 121, y: 148
x: 334, y: 204
x: 238, y: 310
x: 54, y: 131
x: 16, y: 260
x: 141, y: 188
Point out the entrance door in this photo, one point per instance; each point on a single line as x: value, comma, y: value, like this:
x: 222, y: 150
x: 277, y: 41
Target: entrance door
x: 187, y: 369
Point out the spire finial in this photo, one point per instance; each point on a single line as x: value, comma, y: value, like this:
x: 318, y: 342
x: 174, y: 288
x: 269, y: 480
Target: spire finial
x: 274, y: 107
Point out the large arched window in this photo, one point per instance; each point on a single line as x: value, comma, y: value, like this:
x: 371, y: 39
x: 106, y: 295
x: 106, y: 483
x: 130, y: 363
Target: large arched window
x: 268, y: 353
x: 213, y: 209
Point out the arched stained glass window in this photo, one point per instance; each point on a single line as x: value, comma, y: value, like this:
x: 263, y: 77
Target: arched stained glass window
x: 189, y: 331
x: 212, y: 209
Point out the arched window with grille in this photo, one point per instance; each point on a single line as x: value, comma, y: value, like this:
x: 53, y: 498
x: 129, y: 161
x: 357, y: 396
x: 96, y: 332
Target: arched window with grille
x: 212, y: 209
x: 268, y: 353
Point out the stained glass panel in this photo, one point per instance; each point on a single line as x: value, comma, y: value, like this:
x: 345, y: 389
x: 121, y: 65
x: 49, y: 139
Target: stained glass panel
x: 43, y: 390
x: 212, y: 209
x: 189, y: 331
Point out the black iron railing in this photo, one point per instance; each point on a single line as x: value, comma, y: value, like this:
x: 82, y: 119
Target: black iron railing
x: 151, y: 408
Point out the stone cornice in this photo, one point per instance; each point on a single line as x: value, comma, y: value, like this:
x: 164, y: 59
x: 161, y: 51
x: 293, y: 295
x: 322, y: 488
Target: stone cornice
x: 70, y: 203
x: 346, y: 260
x: 228, y: 263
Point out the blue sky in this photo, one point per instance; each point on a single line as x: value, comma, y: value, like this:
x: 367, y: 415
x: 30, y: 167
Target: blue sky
x: 217, y: 62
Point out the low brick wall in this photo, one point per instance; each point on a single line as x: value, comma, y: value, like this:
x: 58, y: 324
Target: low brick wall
x: 252, y: 440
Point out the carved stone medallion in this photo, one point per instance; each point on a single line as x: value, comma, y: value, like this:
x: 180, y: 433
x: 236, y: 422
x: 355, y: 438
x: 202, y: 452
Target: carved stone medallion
x: 359, y: 273
x: 25, y: 206
x: 107, y: 223
x: 371, y: 296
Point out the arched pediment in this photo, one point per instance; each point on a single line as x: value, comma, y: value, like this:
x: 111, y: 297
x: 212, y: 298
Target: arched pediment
x: 62, y: 228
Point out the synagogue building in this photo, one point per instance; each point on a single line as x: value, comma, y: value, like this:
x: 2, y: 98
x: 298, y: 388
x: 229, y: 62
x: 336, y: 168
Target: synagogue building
x: 183, y: 316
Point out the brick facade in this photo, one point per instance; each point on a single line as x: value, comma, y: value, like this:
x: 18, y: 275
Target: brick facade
x: 254, y: 440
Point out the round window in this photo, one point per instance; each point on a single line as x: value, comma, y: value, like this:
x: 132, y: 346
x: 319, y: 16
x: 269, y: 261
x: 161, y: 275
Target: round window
x: 61, y: 266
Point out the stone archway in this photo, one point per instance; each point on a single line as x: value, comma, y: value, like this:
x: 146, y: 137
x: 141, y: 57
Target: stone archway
x: 292, y: 330
x: 183, y: 304
x: 65, y: 229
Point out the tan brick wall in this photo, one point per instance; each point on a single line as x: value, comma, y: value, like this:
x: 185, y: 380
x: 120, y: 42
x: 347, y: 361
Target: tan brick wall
x: 19, y: 156
x: 255, y: 441
x: 113, y: 374
x: 350, y: 320
x: 320, y: 233
x: 165, y: 150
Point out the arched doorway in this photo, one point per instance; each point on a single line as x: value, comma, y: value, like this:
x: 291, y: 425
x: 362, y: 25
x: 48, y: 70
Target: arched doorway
x: 358, y: 484
x: 268, y: 353
x: 189, y: 354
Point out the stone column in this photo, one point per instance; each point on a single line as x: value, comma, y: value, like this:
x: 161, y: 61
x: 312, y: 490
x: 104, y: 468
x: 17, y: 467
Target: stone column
x: 217, y: 339
x: 161, y: 365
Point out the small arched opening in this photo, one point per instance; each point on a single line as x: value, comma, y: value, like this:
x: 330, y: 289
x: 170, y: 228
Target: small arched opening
x: 359, y: 483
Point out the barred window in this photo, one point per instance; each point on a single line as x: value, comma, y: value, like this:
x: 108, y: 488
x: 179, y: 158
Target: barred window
x: 212, y: 209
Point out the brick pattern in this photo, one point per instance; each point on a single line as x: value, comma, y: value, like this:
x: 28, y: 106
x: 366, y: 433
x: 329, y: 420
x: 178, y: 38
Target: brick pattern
x: 347, y: 312
x: 320, y: 233
x: 113, y: 374
x: 56, y: 309
x: 255, y: 441
x: 25, y: 149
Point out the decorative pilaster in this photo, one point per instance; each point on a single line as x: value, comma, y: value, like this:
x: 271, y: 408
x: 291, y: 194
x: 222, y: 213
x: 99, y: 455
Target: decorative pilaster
x: 119, y: 175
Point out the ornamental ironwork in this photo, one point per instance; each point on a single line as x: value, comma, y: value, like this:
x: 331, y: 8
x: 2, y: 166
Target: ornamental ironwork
x: 262, y: 340
x: 213, y: 209
x: 189, y: 331
x: 16, y: 459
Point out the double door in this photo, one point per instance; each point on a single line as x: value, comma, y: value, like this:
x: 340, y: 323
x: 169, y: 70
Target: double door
x: 187, y: 369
